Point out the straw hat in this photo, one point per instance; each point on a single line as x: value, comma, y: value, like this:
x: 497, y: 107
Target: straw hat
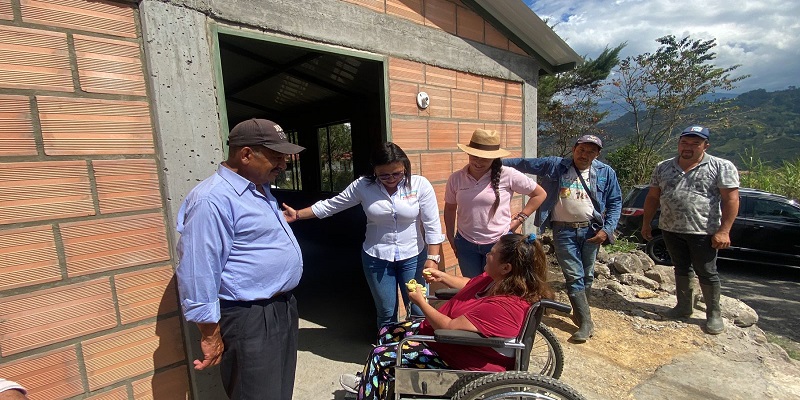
x: 484, y: 144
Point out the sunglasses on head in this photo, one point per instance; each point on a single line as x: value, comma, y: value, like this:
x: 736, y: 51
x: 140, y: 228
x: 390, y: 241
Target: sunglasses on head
x: 386, y: 177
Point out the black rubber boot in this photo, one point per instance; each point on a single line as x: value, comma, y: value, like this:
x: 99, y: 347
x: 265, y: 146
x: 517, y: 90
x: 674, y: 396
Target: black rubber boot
x: 683, y: 291
x: 714, y: 323
x: 574, y: 316
x: 580, y: 306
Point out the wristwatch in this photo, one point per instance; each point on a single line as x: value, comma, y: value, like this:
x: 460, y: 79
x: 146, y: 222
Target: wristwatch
x: 435, y: 258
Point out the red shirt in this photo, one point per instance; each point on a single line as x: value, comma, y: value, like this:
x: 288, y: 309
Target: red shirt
x: 494, y: 316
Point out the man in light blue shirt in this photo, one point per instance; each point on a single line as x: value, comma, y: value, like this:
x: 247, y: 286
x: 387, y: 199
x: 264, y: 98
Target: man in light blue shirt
x: 239, y: 260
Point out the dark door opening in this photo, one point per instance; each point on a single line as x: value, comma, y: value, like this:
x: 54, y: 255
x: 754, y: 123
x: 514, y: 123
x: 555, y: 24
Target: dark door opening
x: 332, y: 104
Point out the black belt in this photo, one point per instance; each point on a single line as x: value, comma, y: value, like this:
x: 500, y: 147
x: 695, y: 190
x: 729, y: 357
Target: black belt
x: 262, y: 302
x: 581, y: 224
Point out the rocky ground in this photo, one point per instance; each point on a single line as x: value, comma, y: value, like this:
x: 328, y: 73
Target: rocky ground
x: 638, y: 354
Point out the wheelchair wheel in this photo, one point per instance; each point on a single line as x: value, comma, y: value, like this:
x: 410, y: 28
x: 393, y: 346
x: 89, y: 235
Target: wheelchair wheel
x: 516, y: 385
x: 547, y: 356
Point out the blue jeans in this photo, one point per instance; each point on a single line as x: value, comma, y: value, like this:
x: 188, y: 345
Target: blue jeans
x: 384, y: 277
x: 692, y: 252
x: 471, y: 256
x: 575, y: 256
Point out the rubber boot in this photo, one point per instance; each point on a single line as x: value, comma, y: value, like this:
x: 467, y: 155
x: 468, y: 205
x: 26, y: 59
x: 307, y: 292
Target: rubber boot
x: 574, y: 316
x: 580, y: 306
x: 683, y: 291
x: 714, y: 323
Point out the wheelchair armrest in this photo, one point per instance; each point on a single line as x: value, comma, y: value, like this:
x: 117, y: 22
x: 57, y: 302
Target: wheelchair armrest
x: 446, y: 293
x: 555, y: 305
x: 459, y: 337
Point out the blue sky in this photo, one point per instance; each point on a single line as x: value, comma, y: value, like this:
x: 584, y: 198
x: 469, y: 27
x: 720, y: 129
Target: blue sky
x: 761, y: 35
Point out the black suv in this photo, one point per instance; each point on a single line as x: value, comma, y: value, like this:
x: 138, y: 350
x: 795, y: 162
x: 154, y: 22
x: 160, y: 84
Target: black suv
x: 766, y: 231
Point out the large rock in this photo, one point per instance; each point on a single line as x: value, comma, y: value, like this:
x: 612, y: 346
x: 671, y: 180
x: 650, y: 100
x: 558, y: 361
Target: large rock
x: 734, y: 309
x: 639, y: 280
x: 603, y: 256
x: 647, y: 262
x: 661, y: 274
x: 626, y: 263
x: 602, y: 270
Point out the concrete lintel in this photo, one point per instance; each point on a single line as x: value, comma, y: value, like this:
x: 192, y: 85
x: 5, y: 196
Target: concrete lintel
x: 350, y: 25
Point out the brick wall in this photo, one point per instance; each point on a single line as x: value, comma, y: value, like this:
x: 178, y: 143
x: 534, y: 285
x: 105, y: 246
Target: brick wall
x: 459, y: 104
x: 88, y: 305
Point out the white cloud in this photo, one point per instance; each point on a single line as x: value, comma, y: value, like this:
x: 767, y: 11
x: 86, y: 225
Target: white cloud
x: 763, y: 36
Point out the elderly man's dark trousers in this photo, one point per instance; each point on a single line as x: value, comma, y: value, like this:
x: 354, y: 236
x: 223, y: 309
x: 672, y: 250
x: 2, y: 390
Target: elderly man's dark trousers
x: 260, y: 355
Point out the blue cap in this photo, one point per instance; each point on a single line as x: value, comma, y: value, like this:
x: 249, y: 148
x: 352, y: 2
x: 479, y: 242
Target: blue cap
x: 696, y: 130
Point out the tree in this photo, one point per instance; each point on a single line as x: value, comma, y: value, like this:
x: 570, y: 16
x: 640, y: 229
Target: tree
x: 660, y: 91
x: 567, y: 105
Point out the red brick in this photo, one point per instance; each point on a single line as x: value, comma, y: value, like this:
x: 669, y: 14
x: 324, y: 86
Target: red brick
x: 441, y: 14
x: 16, y: 128
x: 437, y: 167
x: 109, y: 66
x: 34, y: 59
x: 403, y: 98
x: 467, y: 81
x: 439, y: 102
x: 465, y: 104
x: 72, y: 126
x: 5, y: 10
x: 494, y: 38
x: 28, y: 257
x: 375, y: 5
x: 440, y: 77
x: 513, y: 136
x: 114, y: 243
x: 146, y: 294
x: 516, y: 49
x: 127, y: 185
x: 460, y: 159
x: 469, y: 24
x: 465, y: 130
x: 38, y: 191
x: 132, y: 352
x: 439, y: 189
x: 489, y: 107
x: 406, y: 9
x: 94, y: 16
x: 493, y: 85
x: 410, y: 134
x: 404, y: 70
x: 512, y: 109
x: 416, y: 163
x: 32, y: 320
x: 172, y: 384
x: 443, y: 135
x: 52, y: 375
x: 514, y: 89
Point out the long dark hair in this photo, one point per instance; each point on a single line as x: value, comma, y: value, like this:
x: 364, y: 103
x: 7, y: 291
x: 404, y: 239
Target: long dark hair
x: 528, y: 276
x: 497, y: 168
x: 389, y: 153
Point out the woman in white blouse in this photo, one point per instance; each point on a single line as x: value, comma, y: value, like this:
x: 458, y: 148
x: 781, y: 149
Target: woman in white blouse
x: 403, y: 236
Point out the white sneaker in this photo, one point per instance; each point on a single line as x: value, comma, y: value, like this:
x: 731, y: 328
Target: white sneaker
x: 350, y: 382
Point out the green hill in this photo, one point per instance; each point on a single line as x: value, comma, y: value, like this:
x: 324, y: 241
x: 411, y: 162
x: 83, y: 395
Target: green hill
x: 768, y: 122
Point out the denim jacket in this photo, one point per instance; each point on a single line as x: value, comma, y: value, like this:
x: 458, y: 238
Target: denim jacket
x: 602, y: 183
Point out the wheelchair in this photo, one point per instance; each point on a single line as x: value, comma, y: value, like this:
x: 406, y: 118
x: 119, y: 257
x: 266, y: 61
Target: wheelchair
x: 519, y: 383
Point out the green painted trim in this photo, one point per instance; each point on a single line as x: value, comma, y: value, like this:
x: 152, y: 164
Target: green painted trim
x: 387, y: 120
x: 221, y: 103
x: 229, y: 30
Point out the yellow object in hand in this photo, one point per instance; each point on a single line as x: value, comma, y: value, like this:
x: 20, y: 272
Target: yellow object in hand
x: 427, y: 273
x: 412, y: 286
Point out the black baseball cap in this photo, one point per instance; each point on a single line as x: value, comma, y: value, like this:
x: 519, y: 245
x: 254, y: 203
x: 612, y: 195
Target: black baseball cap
x: 590, y: 139
x: 263, y: 132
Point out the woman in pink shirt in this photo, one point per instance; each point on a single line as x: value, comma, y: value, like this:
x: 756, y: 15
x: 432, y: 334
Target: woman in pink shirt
x: 477, y: 209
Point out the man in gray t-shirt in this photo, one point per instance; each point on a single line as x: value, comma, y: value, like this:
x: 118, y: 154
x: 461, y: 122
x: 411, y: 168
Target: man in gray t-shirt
x: 699, y: 198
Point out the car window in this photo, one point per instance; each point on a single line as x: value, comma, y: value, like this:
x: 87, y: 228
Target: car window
x: 775, y: 211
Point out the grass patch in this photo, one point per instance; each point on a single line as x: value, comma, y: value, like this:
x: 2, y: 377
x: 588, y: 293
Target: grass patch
x: 792, y: 348
x: 621, y: 245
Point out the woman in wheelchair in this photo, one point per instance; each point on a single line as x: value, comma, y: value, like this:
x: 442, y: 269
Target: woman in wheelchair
x: 493, y: 304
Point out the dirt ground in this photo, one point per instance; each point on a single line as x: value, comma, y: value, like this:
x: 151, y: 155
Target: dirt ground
x: 637, y: 354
